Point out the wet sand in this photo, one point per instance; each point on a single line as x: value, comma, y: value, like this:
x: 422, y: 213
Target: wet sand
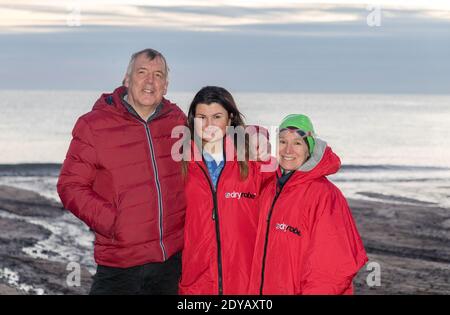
x: 410, y: 242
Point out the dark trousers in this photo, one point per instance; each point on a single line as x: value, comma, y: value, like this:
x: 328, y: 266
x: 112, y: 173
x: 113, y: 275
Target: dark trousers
x: 152, y: 278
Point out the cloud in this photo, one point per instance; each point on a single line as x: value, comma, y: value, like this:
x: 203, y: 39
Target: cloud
x: 187, y: 15
x: 241, y: 45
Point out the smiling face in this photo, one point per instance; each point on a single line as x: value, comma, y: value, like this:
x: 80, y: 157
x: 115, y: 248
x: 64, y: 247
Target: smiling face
x: 292, y: 150
x: 147, y: 83
x: 211, y: 122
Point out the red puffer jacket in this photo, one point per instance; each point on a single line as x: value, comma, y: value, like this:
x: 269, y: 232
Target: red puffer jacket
x: 307, y: 240
x: 220, y: 229
x: 120, y: 179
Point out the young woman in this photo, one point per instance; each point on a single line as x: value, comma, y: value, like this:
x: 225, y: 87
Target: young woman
x: 222, y: 191
x: 307, y: 241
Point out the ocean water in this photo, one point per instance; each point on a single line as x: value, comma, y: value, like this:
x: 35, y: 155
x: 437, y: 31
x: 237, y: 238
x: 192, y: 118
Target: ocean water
x: 392, y: 147
x: 401, y: 130
x: 389, y: 144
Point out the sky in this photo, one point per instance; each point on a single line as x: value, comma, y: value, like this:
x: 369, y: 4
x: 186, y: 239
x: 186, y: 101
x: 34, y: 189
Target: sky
x: 377, y: 46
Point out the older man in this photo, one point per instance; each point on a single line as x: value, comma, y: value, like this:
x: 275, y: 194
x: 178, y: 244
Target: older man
x: 120, y: 179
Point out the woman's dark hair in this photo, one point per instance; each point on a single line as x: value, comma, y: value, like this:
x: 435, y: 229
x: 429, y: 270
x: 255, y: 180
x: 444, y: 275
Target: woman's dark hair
x: 215, y: 94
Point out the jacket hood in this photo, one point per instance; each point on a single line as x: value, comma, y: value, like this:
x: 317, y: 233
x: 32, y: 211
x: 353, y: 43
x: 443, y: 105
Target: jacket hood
x: 113, y: 102
x: 323, y: 162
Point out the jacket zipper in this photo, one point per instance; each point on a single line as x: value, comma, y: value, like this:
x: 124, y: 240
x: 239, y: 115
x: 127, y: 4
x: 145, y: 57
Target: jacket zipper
x: 158, y: 188
x: 155, y: 172
x: 266, y: 241
x: 215, y: 217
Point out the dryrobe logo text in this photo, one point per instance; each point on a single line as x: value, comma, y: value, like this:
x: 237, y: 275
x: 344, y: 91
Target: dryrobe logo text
x: 287, y: 228
x: 239, y: 195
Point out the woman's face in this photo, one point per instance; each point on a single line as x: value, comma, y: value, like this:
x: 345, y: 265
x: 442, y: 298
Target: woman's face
x: 211, y: 121
x: 292, y: 150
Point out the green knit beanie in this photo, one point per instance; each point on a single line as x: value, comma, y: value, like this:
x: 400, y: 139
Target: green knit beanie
x: 304, y: 124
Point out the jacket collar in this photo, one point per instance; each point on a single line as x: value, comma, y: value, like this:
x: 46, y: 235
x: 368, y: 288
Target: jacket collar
x: 114, y: 102
x: 132, y: 111
x: 322, y: 163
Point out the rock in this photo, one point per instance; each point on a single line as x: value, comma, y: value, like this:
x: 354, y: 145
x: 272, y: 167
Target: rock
x: 27, y: 203
x: 394, y: 198
x: 446, y: 224
x: 19, y: 273
x: 408, y: 241
x: 410, y: 247
x: 8, y: 290
x: 400, y: 275
x: 14, y: 230
x: 48, y: 276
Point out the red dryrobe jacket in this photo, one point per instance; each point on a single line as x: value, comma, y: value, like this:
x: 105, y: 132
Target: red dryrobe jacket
x: 220, y: 228
x: 307, y: 241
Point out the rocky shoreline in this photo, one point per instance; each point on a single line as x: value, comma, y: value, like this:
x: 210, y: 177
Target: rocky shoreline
x: 19, y: 272
x: 409, y: 241
x: 411, y: 244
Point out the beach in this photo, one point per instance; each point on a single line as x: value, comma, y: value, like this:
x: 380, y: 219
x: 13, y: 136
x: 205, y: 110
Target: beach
x: 409, y: 241
x: 21, y: 272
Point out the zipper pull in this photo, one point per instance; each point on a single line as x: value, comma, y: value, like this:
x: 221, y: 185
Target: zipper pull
x: 213, y: 215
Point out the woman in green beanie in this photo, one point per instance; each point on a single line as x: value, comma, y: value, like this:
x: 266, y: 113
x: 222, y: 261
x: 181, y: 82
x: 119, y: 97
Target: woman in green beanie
x: 307, y: 241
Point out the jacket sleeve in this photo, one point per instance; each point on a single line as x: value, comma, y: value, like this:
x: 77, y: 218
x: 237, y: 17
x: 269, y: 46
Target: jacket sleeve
x: 335, y: 252
x: 76, y: 180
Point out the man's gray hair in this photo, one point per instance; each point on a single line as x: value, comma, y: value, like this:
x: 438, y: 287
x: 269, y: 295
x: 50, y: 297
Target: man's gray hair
x: 150, y: 54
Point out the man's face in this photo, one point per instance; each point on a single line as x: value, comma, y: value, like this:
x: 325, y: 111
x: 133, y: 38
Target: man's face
x: 147, y: 83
